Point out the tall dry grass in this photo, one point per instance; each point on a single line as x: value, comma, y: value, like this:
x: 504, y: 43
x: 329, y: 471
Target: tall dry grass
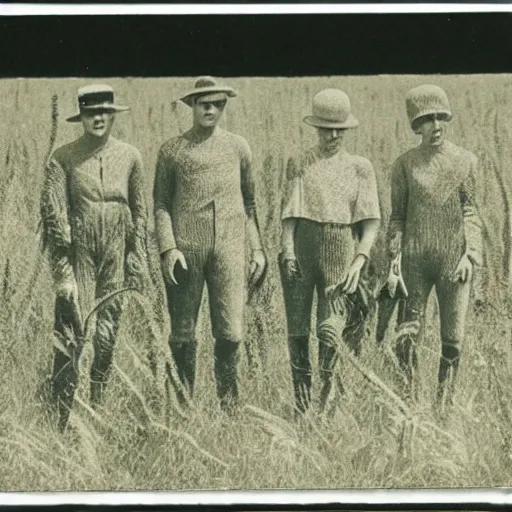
x: 141, y: 439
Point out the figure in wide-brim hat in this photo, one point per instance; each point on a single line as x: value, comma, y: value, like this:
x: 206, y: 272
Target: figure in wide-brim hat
x: 332, y: 109
x: 207, y: 85
x: 96, y: 97
x: 205, y: 213
x: 94, y: 218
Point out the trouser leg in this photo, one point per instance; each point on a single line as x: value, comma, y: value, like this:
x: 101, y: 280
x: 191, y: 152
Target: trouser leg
x: 110, y: 278
x: 226, y: 281
x: 66, y: 356
x: 453, y: 301
x: 298, y: 300
x: 107, y: 326
x: 419, y: 284
x: 335, y: 255
x: 184, y: 302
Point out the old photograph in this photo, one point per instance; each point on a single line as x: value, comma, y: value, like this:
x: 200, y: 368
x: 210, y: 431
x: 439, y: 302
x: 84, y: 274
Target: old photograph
x: 255, y: 282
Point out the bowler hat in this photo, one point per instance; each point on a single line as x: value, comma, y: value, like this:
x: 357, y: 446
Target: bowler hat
x: 425, y: 100
x: 331, y: 109
x: 96, y: 97
x: 207, y: 85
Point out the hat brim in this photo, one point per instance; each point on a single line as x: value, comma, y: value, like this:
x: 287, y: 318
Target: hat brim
x: 350, y: 122
x: 446, y: 113
x: 76, y: 118
x: 201, y: 91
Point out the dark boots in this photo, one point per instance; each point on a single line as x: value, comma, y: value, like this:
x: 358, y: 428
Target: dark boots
x: 184, y: 355
x: 225, y: 366
x: 448, y: 369
x: 327, y: 360
x: 65, y: 362
x: 301, y: 371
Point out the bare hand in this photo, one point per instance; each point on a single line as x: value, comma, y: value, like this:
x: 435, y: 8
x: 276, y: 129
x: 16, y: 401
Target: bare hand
x: 257, y: 267
x: 68, y: 289
x: 464, y: 271
x: 169, y: 260
x: 349, y: 285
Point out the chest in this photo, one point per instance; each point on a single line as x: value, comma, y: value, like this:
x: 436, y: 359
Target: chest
x: 332, y: 179
x: 210, y: 160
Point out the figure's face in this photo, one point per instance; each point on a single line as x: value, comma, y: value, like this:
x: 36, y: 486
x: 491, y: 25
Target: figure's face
x: 208, y: 109
x: 97, y: 123
x: 331, y: 139
x: 432, y: 129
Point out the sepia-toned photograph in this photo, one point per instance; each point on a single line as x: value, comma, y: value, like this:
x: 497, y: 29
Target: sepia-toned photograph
x: 255, y: 282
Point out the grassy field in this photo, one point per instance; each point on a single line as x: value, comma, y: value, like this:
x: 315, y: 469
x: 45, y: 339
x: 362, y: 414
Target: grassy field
x: 141, y: 440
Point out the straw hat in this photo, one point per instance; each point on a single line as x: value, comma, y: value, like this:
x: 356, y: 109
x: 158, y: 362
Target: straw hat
x: 425, y: 100
x: 207, y: 85
x: 331, y: 109
x: 96, y: 97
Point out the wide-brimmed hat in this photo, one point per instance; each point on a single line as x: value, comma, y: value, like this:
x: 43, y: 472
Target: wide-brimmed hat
x: 331, y: 109
x: 207, y: 85
x: 96, y: 97
x: 425, y: 100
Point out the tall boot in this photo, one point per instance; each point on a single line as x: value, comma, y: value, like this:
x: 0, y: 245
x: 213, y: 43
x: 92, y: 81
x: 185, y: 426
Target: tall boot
x: 107, y: 326
x: 65, y: 376
x: 327, y: 359
x: 301, y: 371
x: 226, y: 362
x: 406, y: 354
x: 448, y: 369
x: 184, y: 356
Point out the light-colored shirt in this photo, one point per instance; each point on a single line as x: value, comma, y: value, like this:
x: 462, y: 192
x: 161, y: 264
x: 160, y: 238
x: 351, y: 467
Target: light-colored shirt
x: 341, y: 189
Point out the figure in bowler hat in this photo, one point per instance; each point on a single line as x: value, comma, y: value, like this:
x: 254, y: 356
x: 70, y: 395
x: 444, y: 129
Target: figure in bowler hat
x: 94, y: 219
x: 330, y: 220
x: 205, y: 211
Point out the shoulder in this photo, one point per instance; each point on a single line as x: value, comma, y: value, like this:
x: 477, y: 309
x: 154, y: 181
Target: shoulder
x: 461, y: 153
x: 169, y: 146
x: 239, y: 142
x: 363, y: 166
x: 64, y: 153
x: 128, y: 149
x: 298, y: 164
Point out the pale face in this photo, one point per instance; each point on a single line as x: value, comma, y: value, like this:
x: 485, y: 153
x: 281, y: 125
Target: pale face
x: 330, y: 139
x: 432, y: 129
x: 207, y: 110
x: 97, y: 123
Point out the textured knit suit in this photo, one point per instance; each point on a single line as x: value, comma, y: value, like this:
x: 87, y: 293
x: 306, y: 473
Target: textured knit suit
x: 434, y: 222
x: 94, y: 221
x: 203, y: 193
x: 328, y: 197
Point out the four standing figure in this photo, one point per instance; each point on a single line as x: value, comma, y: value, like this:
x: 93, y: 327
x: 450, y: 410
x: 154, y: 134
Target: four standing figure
x: 94, y: 220
x: 94, y: 226
x: 205, y: 211
x: 330, y: 219
x: 435, y: 229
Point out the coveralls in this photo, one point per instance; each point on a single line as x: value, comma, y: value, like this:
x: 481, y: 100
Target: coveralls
x: 328, y: 197
x: 203, y: 194
x: 434, y: 221
x: 94, y: 223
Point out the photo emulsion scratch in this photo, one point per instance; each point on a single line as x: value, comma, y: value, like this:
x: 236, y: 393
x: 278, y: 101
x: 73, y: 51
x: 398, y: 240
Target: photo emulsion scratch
x: 255, y: 283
